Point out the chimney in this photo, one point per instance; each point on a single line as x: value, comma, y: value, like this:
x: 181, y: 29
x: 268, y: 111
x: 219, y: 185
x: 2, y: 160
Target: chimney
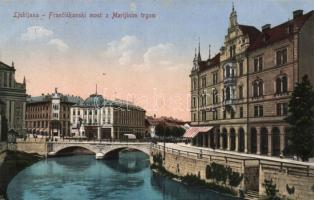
x: 297, y: 13
x: 265, y: 27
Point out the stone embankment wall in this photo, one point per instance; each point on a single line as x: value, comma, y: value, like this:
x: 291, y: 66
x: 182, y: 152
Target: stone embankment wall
x: 299, y: 177
x: 32, y: 147
x: 182, y: 163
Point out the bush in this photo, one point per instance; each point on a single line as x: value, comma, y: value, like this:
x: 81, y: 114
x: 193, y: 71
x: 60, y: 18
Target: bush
x: 271, y: 190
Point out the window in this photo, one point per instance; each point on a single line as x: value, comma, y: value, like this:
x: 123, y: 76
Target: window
x: 282, y: 109
x: 258, y: 111
x: 203, y: 82
x: 240, y: 92
x: 241, y: 112
x: 278, y: 106
x: 224, y: 114
x: 215, y: 97
x: 241, y: 68
x: 215, y: 78
x: 258, y: 88
x: 261, y: 111
x: 194, y: 102
x: 281, y: 85
x: 203, y: 115
x: 285, y: 108
x: 194, y: 117
x: 232, y: 50
x: 228, y: 95
x: 232, y: 113
x: 215, y: 115
x: 281, y: 57
x: 258, y: 64
x: 255, y: 111
x: 73, y: 112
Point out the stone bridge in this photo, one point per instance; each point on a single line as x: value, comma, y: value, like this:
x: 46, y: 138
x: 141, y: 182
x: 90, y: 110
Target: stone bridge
x: 101, y: 149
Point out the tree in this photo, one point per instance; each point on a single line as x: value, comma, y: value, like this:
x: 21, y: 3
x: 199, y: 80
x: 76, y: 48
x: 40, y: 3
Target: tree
x: 301, y: 120
x: 159, y: 130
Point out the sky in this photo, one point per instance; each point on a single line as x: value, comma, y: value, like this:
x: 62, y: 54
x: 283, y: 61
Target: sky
x: 143, y: 60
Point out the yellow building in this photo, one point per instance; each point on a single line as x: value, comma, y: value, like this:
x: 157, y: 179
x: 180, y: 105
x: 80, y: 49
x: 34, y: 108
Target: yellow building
x: 242, y: 93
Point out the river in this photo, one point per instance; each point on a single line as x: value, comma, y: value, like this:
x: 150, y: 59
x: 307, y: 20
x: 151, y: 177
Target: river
x: 83, y: 177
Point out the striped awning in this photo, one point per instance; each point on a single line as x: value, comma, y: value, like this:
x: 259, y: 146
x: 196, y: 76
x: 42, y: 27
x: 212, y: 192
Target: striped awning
x: 193, y: 131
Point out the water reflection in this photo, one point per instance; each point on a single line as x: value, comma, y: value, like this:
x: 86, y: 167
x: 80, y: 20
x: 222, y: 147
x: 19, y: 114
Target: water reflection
x: 83, y: 177
x: 129, y: 162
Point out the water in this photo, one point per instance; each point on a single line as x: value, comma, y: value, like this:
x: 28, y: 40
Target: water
x: 84, y: 177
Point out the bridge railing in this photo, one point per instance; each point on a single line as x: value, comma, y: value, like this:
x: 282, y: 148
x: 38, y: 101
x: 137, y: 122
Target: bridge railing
x: 293, y: 168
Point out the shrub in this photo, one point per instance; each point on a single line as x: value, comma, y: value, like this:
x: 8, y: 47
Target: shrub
x: 271, y: 190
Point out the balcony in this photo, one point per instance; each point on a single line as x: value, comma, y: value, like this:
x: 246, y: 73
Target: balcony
x: 229, y: 81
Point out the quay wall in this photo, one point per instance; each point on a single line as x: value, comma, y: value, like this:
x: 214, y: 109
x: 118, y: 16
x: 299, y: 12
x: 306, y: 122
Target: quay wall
x: 301, y: 178
x: 32, y: 147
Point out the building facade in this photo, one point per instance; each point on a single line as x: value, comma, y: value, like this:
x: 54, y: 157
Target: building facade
x: 100, y: 118
x: 13, y: 97
x: 49, y: 114
x: 243, y: 91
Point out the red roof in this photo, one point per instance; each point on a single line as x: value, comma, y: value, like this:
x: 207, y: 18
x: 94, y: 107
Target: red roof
x: 251, y: 31
x: 279, y: 32
x: 193, y: 131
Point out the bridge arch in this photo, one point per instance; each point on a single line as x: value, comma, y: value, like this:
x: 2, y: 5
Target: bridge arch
x: 60, y: 148
x: 117, y: 149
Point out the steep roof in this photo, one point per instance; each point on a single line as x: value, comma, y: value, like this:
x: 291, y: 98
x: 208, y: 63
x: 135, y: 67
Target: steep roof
x: 6, y: 67
x: 251, y: 31
x: 48, y: 97
x: 204, y: 65
x: 279, y: 32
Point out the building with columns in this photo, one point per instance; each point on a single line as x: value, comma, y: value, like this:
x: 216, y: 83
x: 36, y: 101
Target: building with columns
x: 49, y: 115
x: 13, y: 98
x: 100, y: 118
x: 239, y: 97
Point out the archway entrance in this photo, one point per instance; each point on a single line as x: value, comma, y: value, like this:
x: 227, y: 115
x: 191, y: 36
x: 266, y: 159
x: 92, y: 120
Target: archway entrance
x: 224, y: 138
x: 264, y: 141
x: 276, y: 141
x: 253, y: 140
x: 241, y: 140
x: 232, y: 139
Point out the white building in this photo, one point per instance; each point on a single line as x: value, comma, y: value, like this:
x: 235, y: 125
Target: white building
x: 99, y: 118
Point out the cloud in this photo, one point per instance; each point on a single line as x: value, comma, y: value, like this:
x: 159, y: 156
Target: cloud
x: 59, y: 44
x: 130, y: 52
x: 36, y: 32
x: 125, y: 51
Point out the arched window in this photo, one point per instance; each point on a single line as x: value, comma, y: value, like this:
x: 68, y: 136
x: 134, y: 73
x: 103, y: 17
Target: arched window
x: 215, y: 97
x: 281, y: 84
x: 284, y: 81
x: 255, y: 89
x: 227, y: 71
x: 260, y: 88
x: 278, y: 85
x: 227, y: 93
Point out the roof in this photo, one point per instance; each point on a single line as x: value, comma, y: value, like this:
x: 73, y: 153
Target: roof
x: 96, y: 100
x: 204, y: 65
x: 48, y: 98
x: 6, y: 67
x: 251, y: 31
x: 279, y: 32
x: 193, y: 131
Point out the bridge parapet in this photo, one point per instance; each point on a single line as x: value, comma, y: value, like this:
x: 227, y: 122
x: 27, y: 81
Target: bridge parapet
x: 99, y: 148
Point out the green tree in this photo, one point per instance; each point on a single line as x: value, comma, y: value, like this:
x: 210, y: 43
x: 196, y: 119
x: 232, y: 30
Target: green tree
x: 159, y: 130
x: 301, y: 120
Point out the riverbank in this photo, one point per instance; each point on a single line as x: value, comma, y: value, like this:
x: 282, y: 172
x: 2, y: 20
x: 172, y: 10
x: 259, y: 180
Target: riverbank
x: 11, y: 163
x: 194, y: 181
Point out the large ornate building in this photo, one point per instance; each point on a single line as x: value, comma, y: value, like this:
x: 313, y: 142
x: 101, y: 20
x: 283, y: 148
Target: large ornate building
x: 241, y: 94
x: 12, y: 99
x: 100, y: 118
x: 49, y: 114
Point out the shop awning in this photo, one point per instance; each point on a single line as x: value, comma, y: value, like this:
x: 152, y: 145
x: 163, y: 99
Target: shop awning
x: 193, y: 131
